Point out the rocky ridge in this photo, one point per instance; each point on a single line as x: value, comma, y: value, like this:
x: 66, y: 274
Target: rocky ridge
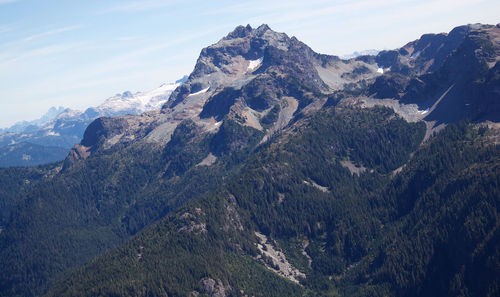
x: 256, y: 77
x: 251, y: 76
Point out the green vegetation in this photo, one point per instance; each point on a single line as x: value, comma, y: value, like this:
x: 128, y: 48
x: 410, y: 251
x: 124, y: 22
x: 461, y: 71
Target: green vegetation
x: 162, y: 226
x: 339, y: 224
x: 94, y: 206
x: 14, y: 182
x: 30, y: 154
x: 442, y: 236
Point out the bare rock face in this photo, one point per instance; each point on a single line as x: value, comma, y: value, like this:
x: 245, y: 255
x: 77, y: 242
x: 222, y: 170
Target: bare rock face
x: 213, y: 288
x: 103, y: 128
x: 78, y: 152
x: 237, y: 59
x: 450, y: 76
x: 423, y: 55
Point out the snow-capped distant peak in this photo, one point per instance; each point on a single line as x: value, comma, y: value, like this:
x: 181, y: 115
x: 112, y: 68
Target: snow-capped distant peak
x: 369, y: 52
x: 51, y: 114
x: 138, y: 102
x: 68, y: 113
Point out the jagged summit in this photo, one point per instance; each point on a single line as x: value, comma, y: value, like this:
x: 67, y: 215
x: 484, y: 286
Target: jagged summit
x: 244, y: 54
x: 244, y: 31
x: 239, y: 32
x: 246, y: 42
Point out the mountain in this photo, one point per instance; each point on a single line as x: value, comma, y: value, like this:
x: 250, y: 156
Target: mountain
x: 49, y: 138
x: 30, y: 125
x: 355, y: 54
x: 277, y: 171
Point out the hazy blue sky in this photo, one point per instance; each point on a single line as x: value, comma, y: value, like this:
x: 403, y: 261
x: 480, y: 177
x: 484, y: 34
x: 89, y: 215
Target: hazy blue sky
x: 78, y: 53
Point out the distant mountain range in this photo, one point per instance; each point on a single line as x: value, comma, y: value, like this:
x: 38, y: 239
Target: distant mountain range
x: 49, y: 138
x: 370, y: 52
x: 34, y: 124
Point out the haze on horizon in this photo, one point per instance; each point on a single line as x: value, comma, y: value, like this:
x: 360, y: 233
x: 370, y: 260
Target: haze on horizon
x: 76, y: 54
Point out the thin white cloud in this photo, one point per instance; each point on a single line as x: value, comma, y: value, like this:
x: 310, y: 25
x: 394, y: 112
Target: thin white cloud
x: 135, y: 6
x: 5, y: 29
x: 7, y: 1
x: 8, y: 59
x: 265, y: 6
x: 102, y: 73
x: 311, y: 12
x: 52, y: 32
x: 127, y: 38
x: 130, y: 59
x: 18, y: 46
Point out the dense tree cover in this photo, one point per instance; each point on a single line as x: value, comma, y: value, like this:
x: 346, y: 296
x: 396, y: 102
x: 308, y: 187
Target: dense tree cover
x: 443, y: 240
x: 351, y: 196
x: 429, y: 230
x: 332, y: 211
x: 96, y: 205
x: 14, y: 182
x: 173, y: 257
x: 30, y: 154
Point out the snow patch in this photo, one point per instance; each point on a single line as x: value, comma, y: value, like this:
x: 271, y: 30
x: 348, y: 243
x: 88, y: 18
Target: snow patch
x: 415, y: 54
x: 254, y: 64
x: 139, y: 101
x: 67, y: 113
x: 199, y: 92
x: 380, y: 70
x: 423, y: 111
x: 52, y: 133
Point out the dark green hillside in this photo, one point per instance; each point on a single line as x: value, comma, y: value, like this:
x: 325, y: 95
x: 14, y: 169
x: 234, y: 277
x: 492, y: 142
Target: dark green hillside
x: 175, y: 256
x: 199, y: 240
x: 30, y: 154
x: 373, y: 237
x: 14, y: 182
x: 444, y: 237
x: 96, y: 205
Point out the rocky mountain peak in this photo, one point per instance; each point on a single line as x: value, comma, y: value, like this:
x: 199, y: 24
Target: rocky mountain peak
x: 246, y: 42
x: 263, y: 80
x: 239, y: 32
x: 232, y: 60
x: 248, y: 74
x: 249, y: 32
